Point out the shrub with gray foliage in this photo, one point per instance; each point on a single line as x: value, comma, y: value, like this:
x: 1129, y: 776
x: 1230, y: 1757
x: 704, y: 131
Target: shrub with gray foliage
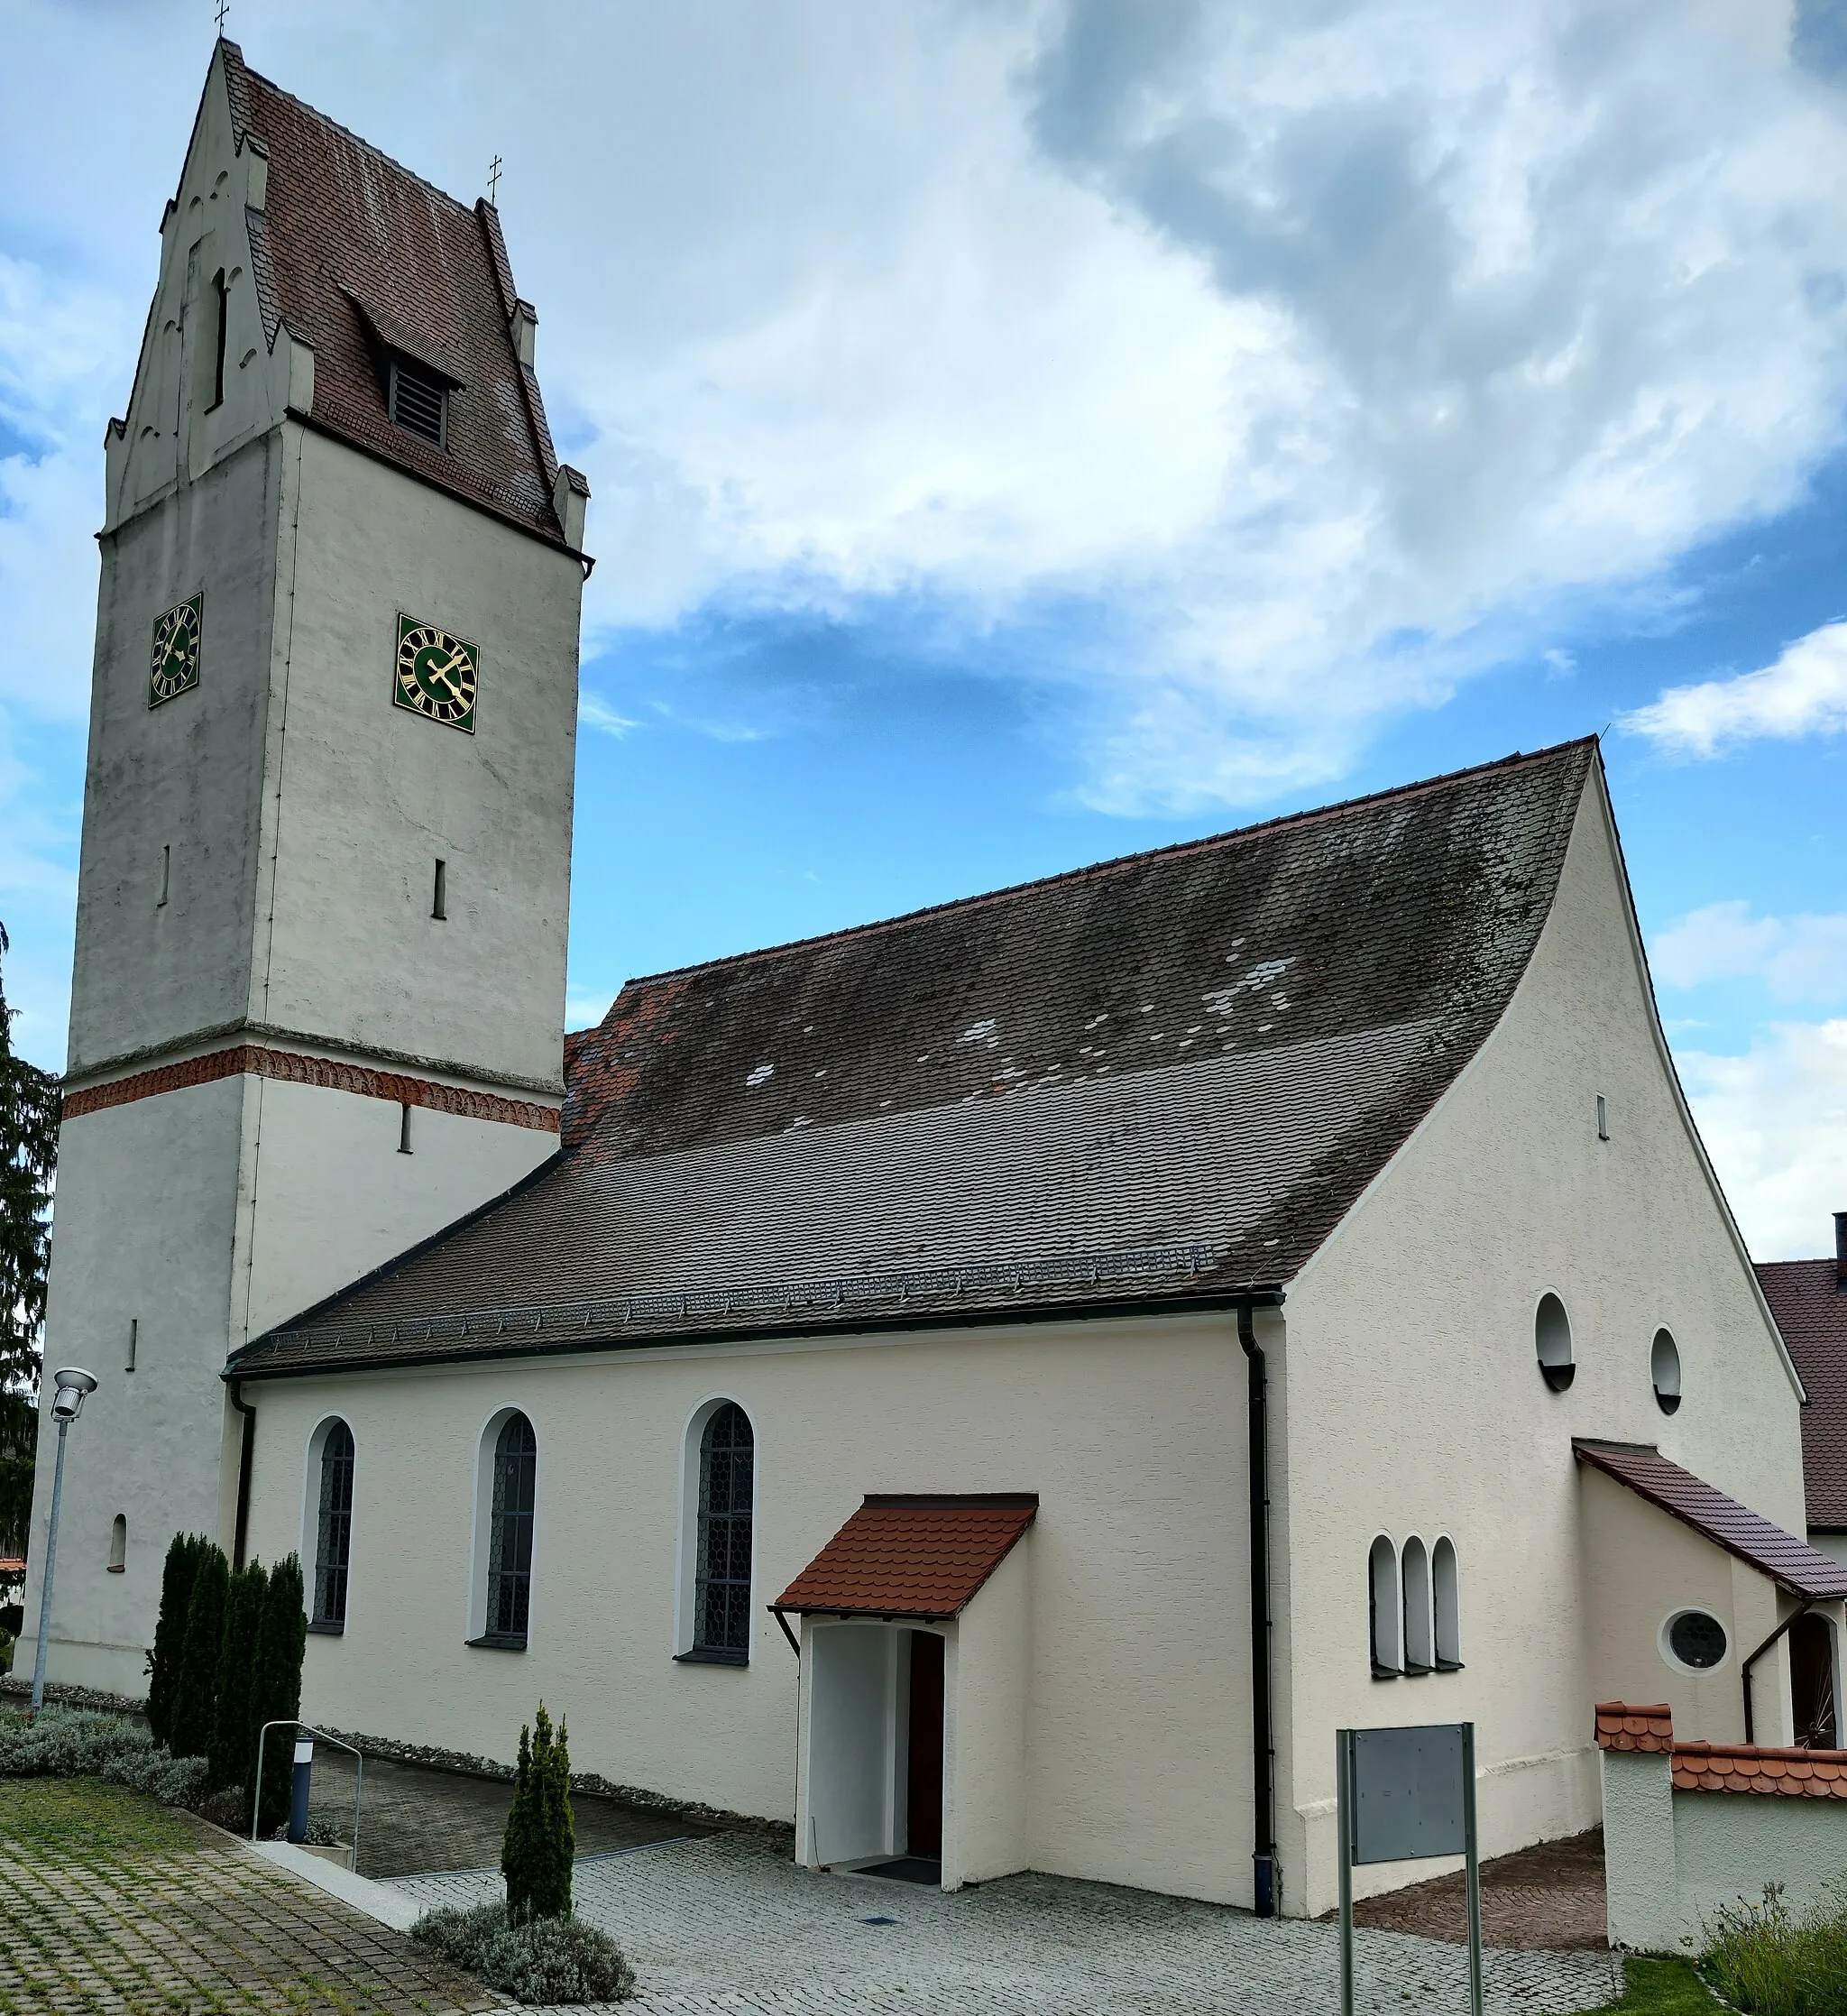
x: 78, y: 1743
x: 543, y: 1960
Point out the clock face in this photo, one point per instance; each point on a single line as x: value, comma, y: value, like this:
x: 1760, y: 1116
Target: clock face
x: 173, y: 668
x: 437, y: 673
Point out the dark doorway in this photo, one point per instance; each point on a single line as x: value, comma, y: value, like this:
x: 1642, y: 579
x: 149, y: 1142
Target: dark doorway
x: 925, y: 1776
x: 1812, y: 1683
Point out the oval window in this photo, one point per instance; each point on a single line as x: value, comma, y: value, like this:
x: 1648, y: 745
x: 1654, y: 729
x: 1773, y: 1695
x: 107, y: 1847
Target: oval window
x: 1697, y: 1640
x: 1664, y: 1369
x: 1552, y: 1339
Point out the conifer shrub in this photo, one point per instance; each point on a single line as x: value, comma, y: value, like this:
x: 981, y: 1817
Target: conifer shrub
x: 193, y: 1712
x: 276, y: 1688
x: 540, y: 1841
x: 177, y: 1577
x: 232, y: 1752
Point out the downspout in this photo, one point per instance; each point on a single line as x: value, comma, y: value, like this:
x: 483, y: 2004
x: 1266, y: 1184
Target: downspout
x: 1795, y: 1616
x: 244, y: 1456
x: 1262, y: 1745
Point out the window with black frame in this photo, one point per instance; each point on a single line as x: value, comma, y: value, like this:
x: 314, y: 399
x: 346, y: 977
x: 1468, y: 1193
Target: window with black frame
x: 334, y: 1529
x: 722, y: 1594
x: 509, y: 1534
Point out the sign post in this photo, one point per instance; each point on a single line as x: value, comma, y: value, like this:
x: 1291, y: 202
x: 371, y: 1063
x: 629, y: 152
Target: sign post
x: 1401, y: 1795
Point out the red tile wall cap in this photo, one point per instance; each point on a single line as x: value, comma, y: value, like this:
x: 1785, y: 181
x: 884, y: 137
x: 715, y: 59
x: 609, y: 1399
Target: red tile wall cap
x: 1710, y: 1767
x: 1792, y: 1564
x: 911, y: 1556
x: 1621, y: 1726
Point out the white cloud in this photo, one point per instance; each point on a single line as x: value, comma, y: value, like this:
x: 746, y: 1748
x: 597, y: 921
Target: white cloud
x: 1775, y: 1123
x: 598, y: 714
x: 1799, y: 958
x: 1804, y: 693
x: 584, y: 1011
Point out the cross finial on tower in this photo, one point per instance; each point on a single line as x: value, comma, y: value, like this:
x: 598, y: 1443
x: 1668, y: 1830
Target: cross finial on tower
x: 224, y: 8
x: 493, y: 172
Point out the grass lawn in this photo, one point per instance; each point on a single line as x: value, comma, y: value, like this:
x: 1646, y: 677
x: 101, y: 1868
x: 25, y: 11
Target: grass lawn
x: 1664, y: 1988
x: 113, y: 1904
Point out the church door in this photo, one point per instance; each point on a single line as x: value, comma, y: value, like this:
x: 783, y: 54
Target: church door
x: 923, y: 1794
x: 1812, y: 1683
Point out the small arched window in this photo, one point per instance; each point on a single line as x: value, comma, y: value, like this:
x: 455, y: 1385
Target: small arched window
x: 1447, y: 1606
x: 510, y: 1533
x: 333, y: 1543
x: 1664, y: 1369
x: 722, y: 1585
x: 1382, y: 1589
x: 1414, y: 1575
x: 1552, y: 1338
x: 118, y: 1544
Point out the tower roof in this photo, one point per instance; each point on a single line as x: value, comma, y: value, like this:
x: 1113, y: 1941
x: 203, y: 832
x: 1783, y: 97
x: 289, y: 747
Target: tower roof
x: 1154, y: 1083
x: 360, y: 258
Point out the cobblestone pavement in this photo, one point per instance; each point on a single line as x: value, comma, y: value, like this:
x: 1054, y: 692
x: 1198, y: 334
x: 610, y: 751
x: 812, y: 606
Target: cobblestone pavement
x: 413, y: 1820
x: 1547, y: 1897
x: 112, y: 1906
x: 729, y: 1924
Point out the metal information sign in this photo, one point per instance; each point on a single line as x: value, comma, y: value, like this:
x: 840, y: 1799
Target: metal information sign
x: 1401, y: 1795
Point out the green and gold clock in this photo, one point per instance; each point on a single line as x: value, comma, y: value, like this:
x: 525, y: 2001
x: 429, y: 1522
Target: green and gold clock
x: 437, y: 673
x: 173, y: 668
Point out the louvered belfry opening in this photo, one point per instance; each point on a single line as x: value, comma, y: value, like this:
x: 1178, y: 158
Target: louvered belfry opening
x: 419, y: 400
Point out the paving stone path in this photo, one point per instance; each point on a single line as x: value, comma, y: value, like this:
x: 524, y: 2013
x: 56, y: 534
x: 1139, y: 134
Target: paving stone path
x: 729, y: 1924
x: 112, y: 1906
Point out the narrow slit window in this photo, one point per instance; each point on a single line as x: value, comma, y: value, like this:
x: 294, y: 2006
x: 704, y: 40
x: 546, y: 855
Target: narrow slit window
x: 1603, y: 1117
x: 509, y: 1534
x: 1414, y: 1572
x: 439, y: 891
x: 166, y: 875
x: 118, y: 1545
x: 419, y: 401
x: 404, y: 1127
x: 1447, y: 1606
x: 1381, y: 1590
x: 333, y: 1551
x: 133, y: 1342
x: 220, y: 318
x: 727, y: 1481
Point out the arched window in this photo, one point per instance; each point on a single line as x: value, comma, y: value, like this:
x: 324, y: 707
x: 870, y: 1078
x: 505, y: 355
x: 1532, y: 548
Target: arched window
x: 1552, y: 1339
x: 1382, y: 1571
x: 721, y: 1582
x: 333, y: 1540
x: 1447, y: 1606
x: 1664, y: 1369
x: 118, y: 1544
x: 510, y: 1533
x: 1414, y: 1574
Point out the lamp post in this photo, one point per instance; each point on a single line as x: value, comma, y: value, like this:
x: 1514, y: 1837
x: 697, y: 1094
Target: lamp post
x: 67, y: 1405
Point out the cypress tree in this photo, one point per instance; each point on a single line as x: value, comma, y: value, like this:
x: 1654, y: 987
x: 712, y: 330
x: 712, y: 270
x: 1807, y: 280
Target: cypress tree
x: 232, y: 1749
x: 190, y: 1726
x: 541, y: 1840
x: 552, y: 1898
x: 516, y: 1843
x: 276, y: 1696
x: 183, y: 1556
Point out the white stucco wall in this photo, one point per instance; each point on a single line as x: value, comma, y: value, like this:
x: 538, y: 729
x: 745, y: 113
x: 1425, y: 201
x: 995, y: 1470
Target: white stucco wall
x: 1413, y: 1404
x: 1137, y: 1765
x: 989, y: 1729
x: 1675, y: 1860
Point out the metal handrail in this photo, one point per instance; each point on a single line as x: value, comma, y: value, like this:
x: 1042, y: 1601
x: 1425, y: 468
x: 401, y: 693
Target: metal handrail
x: 339, y: 1743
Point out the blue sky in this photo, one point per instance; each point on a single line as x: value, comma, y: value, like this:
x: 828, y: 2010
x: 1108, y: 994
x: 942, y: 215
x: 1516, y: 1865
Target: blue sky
x: 1024, y: 431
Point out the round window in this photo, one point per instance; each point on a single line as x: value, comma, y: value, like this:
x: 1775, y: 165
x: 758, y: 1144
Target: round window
x: 1552, y: 1339
x: 1697, y: 1640
x: 1664, y: 1368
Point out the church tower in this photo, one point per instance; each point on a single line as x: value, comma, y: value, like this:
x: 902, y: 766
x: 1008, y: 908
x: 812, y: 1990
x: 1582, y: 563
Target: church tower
x: 318, y: 1004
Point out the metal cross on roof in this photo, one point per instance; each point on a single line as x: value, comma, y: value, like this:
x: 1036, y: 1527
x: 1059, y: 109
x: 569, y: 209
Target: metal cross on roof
x: 493, y: 171
x: 224, y: 8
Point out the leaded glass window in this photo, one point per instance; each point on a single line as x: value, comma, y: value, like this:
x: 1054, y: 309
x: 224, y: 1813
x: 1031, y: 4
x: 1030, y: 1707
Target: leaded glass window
x: 334, y: 1529
x: 721, y: 1597
x: 510, y: 1535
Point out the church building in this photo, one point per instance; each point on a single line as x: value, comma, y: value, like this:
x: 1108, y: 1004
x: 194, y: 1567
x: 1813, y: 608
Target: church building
x: 996, y: 1388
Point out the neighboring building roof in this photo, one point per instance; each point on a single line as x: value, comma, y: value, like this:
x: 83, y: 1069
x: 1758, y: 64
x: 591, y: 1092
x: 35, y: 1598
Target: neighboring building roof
x: 911, y: 1557
x: 1723, y: 1767
x: 1621, y: 1726
x: 1154, y: 1083
x: 352, y: 250
x: 1811, y: 1311
x: 1791, y: 1563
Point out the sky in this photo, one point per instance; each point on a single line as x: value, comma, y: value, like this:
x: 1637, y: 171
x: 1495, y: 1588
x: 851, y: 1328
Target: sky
x: 1023, y: 432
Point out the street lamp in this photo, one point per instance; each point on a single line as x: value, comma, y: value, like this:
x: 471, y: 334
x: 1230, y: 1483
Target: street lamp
x: 67, y: 1405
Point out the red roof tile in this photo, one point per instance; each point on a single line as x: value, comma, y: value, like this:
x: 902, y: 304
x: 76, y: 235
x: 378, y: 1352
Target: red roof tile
x: 911, y: 1557
x: 1622, y: 1728
x: 352, y: 251
x: 1711, y: 1767
x: 1811, y: 1311
x: 1789, y: 1562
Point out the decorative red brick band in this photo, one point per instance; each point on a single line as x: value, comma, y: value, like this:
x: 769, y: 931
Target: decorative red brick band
x: 293, y: 1068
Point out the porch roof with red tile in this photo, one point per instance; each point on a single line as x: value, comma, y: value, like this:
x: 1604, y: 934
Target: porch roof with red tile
x: 918, y: 1556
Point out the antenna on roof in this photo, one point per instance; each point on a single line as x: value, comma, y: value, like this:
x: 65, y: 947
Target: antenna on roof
x: 493, y: 169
